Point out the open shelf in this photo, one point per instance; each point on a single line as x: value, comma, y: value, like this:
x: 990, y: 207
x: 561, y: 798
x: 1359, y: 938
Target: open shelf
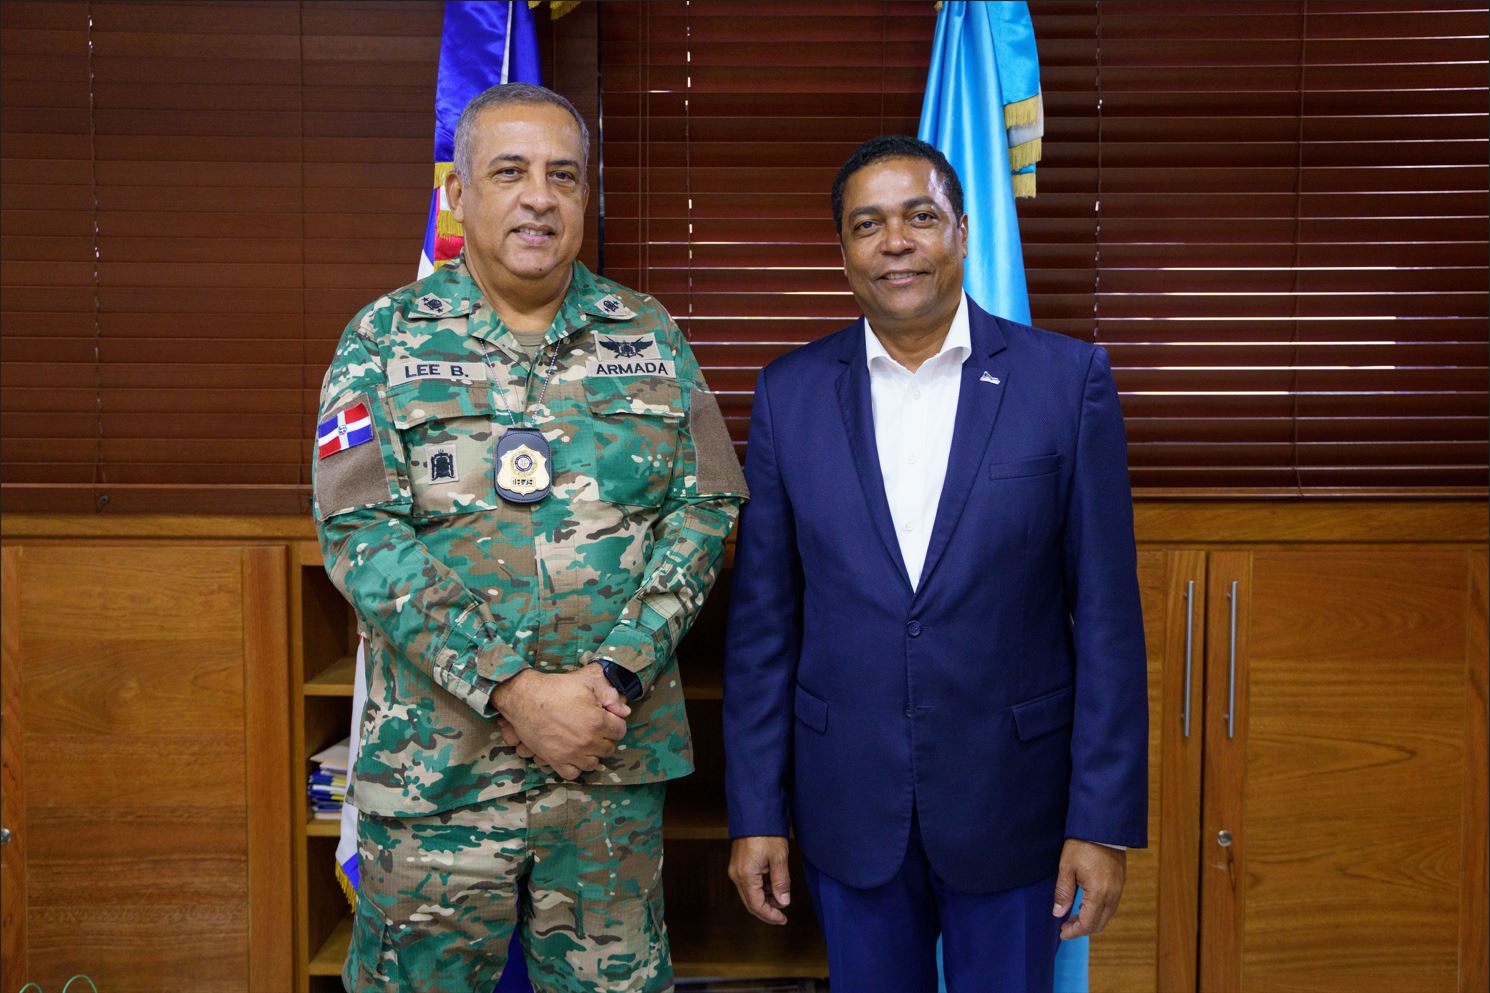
x: 328, y: 959
x: 322, y: 829
x: 334, y: 680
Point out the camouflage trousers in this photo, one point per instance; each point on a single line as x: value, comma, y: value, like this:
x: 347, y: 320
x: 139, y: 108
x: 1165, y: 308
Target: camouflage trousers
x: 578, y: 868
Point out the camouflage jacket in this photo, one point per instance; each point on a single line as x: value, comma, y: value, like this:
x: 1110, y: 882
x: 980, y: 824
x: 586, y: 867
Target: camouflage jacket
x: 456, y: 589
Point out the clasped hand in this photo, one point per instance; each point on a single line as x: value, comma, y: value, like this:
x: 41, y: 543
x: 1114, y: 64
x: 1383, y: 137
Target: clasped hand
x: 567, y: 721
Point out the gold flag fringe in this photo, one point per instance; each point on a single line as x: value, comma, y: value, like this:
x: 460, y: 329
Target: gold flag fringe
x: 1024, y: 185
x: 346, y: 886
x: 446, y: 226
x: 1023, y: 155
x: 556, y: 8
x: 1022, y: 112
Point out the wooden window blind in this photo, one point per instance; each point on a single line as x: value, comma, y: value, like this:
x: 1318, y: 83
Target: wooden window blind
x: 197, y: 198
x: 1273, y: 215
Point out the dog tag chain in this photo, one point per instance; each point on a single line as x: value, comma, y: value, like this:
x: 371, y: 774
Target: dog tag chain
x: 524, y: 468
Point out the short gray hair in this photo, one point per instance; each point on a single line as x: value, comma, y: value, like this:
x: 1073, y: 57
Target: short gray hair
x: 499, y: 96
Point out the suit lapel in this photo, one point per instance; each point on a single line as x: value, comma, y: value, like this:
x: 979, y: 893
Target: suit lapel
x: 985, y: 377
x: 856, y: 404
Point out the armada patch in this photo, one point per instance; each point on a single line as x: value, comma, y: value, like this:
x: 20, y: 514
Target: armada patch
x: 405, y: 368
x: 442, y: 467
x: 629, y: 355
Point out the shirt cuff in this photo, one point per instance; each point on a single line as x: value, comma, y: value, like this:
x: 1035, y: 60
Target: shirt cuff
x: 1118, y: 848
x: 631, y: 647
x: 471, y: 670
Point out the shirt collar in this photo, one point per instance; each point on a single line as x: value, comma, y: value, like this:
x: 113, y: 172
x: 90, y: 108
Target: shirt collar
x: 451, y: 291
x: 959, y: 340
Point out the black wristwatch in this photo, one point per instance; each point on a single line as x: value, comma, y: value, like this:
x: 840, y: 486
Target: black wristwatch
x: 624, y: 680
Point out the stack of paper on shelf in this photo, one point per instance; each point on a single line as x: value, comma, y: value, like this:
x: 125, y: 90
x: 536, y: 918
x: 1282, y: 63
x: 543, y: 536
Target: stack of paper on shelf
x: 327, y: 787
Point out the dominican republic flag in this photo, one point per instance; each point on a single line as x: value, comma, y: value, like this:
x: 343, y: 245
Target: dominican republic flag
x: 482, y: 44
x: 348, y: 429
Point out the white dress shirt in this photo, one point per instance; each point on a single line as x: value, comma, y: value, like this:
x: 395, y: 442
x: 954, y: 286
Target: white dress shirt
x: 914, y: 413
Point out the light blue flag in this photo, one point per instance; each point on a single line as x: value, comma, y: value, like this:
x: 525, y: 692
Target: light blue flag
x: 481, y: 44
x: 983, y: 110
x: 982, y: 93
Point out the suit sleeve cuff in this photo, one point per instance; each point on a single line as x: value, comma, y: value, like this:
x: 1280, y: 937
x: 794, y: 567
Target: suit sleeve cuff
x: 762, y: 824
x: 1117, y: 848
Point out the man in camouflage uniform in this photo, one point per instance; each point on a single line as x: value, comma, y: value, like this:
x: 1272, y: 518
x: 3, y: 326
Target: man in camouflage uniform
x: 524, y: 487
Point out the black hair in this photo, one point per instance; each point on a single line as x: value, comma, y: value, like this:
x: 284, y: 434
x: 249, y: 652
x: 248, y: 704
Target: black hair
x: 895, y: 146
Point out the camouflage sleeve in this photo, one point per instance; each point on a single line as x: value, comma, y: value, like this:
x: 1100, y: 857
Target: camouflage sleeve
x: 362, y: 504
x: 689, y: 535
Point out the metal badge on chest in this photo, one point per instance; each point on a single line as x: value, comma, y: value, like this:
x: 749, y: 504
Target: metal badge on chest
x: 522, y: 474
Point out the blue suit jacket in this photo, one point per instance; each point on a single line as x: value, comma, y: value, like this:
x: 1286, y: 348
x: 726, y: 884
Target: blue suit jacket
x: 1006, y: 696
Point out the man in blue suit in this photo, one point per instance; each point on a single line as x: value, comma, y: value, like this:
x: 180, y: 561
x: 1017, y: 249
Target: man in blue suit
x: 935, y: 667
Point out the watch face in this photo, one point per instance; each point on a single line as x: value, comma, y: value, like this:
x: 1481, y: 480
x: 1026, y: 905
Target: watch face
x: 623, y: 680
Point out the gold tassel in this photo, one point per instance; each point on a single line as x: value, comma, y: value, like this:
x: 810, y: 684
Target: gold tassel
x: 1023, y: 155
x: 346, y: 886
x: 1024, y: 185
x: 556, y: 8
x: 1025, y: 111
x: 445, y: 224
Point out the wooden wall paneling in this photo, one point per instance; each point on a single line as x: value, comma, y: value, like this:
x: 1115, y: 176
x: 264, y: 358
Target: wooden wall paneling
x: 13, y: 959
x: 1474, y: 888
x: 1221, y: 869
x: 132, y: 661
x: 1180, y: 766
x: 1377, y: 521
x: 266, y: 687
x: 1350, y: 698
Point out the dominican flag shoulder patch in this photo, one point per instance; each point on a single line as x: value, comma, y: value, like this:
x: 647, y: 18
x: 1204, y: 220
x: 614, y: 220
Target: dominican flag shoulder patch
x: 343, y: 430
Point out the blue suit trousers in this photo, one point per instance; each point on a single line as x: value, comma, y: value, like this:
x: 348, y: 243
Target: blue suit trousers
x: 883, y: 940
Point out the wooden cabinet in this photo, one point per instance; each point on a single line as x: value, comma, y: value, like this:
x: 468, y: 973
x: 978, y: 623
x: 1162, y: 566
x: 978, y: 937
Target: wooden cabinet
x: 144, y: 744
x: 1151, y: 943
x: 323, y: 645
x: 711, y: 933
x: 1319, y: 823
x: 155, y: 756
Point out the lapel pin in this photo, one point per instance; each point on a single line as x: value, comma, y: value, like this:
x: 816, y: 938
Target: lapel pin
x: 989, y: 378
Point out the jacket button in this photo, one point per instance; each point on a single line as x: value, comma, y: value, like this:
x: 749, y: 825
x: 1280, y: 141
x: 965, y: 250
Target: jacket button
x: 910, y: 711
x: 913, y: 629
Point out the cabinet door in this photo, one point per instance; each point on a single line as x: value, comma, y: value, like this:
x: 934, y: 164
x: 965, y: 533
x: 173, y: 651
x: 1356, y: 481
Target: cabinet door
x: 144, y: 721
x: 1336, y: 768
x: 1150, y: 944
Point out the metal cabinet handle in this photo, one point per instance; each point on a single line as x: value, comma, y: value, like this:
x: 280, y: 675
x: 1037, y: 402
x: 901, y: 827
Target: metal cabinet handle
x: 1231, y: 684
x: 4, y: 836
x: 1189, y: 648
x: 1223, y: 838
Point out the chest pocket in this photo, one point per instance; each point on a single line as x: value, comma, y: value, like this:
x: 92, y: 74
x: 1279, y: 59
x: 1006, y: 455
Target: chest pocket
x: 637, y: 423
x: 448, y: 436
